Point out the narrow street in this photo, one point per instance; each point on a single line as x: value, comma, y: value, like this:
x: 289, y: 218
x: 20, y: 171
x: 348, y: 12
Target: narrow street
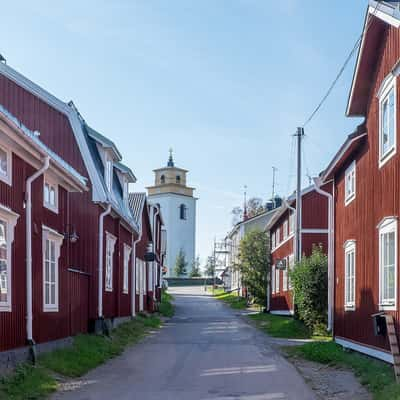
x: 205, y: 352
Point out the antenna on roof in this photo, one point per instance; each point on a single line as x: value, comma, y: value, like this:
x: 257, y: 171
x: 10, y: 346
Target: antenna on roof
x: 2, y: 59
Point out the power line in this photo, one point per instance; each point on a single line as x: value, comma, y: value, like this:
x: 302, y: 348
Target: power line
x: 341, y: 70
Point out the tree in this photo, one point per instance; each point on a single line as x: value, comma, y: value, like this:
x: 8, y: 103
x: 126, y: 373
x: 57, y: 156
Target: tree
x: 210, y: 267
x: 180, y: 264
x: 310, y: 284
x: 254, y: 263
x: 195, y: 272
x: 254, y: 207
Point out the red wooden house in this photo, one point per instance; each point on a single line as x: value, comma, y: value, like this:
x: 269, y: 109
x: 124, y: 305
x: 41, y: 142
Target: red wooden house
x: 314, y: 231
x: 366, y: 181
x: 93, y: 230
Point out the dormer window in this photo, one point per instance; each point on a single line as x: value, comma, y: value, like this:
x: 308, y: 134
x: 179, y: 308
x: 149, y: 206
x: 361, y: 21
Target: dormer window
x: 109, y: 173
x: 5, y: 165
x: 50, y: 194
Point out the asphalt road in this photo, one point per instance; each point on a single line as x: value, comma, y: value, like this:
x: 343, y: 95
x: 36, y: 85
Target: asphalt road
x: 205, y: 352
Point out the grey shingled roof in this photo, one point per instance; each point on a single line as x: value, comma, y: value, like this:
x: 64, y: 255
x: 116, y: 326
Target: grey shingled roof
x: 136, y: 204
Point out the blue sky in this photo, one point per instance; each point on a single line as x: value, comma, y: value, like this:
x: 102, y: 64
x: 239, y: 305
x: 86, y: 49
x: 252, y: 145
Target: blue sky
x: 225, y: 83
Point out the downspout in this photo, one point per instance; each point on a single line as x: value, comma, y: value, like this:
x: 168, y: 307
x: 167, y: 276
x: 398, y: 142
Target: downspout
x: 29, y: 308
x: 317, y: 183
x: 133, y: 269
x: 100, y: 271
x: 155, y: 234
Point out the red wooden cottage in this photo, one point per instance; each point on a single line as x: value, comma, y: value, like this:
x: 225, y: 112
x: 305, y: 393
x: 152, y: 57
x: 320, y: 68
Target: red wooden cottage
x: 282, y: 228
x: 81, y: 224
x: 365, y: 176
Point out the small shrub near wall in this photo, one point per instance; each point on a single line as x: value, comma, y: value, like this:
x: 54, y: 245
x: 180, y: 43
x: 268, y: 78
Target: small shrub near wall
x: 310, y: 286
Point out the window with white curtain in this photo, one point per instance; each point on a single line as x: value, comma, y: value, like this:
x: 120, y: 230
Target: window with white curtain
x: 350, y: 183
x: 5, y: 165
x: 127, y: 254
x: 50, y: 194
x: 350, y: 275
x: 388, y: 263
x: 277, y: 280
x: 285, y: 276
x: 110, y: 245
x: 52, y: 242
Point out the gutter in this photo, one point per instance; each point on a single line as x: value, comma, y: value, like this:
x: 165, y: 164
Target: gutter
x: 318, y: 183
x: 29, y: 308
x: 133, y: 270
x: 100, y: 271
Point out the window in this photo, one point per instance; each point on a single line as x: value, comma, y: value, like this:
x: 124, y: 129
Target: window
x: 285, y: 277
x: 350, y: 275
x: 292, y: 216
x: 143, y: 278
x: 278, y: 236
x: 277, y: 280
x: 178, y: 179
x: 127, y: 254
x: 273, y: 244
x: 110, y: 245
x: 350, y: 183
x: 137, y: 275
x: 109, y: 174
x: 162, y: 179
x: 50, y: 194
x: 150, y: 277
x: 388, y: 263
x: 273, y: 279
x: 52, y: 242
x: 8, y: 220
x: 5, y: 165
x: 285, y: 230
x: 387, y: 121
x: 183, y: 211
x: 290, y: 265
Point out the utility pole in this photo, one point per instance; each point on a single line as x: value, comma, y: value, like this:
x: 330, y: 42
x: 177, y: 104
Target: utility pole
x: 300, y: 136
x: 214, y: 262
x: 245, y: 203
x: 274, y: 169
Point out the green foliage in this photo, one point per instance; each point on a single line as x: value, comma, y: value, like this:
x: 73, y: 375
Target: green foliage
x: 28, y: 382
x: 281, y: 327
x: 166, y: 308
x: 254, y: 263
x: 234, y: 301
x: 195, y: 272
x: 180, y: 264
x: 310, y: 285
x: 378, y: 376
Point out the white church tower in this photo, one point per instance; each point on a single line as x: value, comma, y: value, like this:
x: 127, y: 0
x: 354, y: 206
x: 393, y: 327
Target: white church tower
x: 178, y: 207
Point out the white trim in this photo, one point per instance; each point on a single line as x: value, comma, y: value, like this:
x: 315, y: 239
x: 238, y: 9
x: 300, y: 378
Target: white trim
x: 388, y: 225
x: 365, y: 349
x: 350, y: 170
x: 389, y: 85
x: 350, y: 247
x: 98, y: 192
x: 7, y: 178
x: 52, y: 184
x: 125, y: 272
x: 110, y: 245
x: 384, y: 16
x: 51, y: 235
x: 305, y: 231
x: 10, y: 218
x: 282, y: 312
x: 283, y: 242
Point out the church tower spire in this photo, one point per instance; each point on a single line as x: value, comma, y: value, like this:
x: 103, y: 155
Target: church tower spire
x: 170, y: 159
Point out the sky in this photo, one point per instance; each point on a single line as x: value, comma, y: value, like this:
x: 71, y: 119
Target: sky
x: 224, y: 83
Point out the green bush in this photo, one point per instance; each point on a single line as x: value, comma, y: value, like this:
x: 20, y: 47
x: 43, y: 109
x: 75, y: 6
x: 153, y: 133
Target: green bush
x: 310, y: 285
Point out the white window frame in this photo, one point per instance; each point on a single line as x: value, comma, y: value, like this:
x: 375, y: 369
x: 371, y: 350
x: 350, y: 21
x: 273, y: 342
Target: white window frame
x: 285, y: 229
x: 350, y: 174
x: 8, y: 177
x: 291, y: 221
x: 108, y: 172
x: 273, y: 279
x: 137, y: 275
x: 290, y: 265
x: 389, y: 84
x: 143, y: 290
x: 387, y: 225
x: 273, y: 240
x: 349, y: 276
x: 277, y: 280
x: 125, y: 281
x: 52, y: 184
x: 150, y: 280
x: 278, y: 236
x: 51, y: 236
x: 285, y: 277
x: 10, y: 218
x: 109, y: 270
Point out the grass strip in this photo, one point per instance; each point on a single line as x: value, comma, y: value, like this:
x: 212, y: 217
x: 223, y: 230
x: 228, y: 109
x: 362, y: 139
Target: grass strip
x: 232, y: 299
x: 166, y: 308
x: 376, y: 375
x: 87, y: 352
